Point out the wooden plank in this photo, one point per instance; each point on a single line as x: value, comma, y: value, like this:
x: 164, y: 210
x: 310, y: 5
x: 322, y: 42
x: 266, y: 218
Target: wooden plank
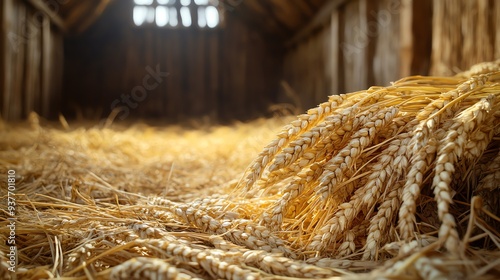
x: 497, y: 30
x: 32, y: 101
x: 171, y: 105
x: 422, y: 43
x: 213, y: 75
x: 483, y: 34
x: 354, y: 47
x: 18, y: 58
x: 195, y: 90
x: 48, y: 65
x: 387, y: 65
x: 320, y: 19
x: 56, y: 73
x: 334, y: 53
x: 446, y: 38
x: 5, y: 61
x: 238, y: 73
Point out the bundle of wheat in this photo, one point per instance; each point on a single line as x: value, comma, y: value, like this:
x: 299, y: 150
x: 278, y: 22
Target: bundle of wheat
x: 391, y: 182
x: 389, y: 164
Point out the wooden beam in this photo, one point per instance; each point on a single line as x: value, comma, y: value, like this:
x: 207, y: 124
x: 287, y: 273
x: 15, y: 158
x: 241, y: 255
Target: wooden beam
x: 55, y: 18
x: 87, y: 21
x: 321, y: 18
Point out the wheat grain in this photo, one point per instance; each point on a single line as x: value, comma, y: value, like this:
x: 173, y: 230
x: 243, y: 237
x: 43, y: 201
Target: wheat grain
x: 451, y: 148
x: 302, y: 124
x: 481, y: 68
x: 336, y: 167
x: 389, y: 203
x: 240, y: 231
x: 291, y: 192
x: 207, y: 259
x: 490, y: 181
x: 278, y: 265
x: 348, y: 246
x: 334, y: 174
x: 147, y: 268
x: 336, y: 129
x: 421, y: 162
x: 333, y: 127
x: 424, y: 147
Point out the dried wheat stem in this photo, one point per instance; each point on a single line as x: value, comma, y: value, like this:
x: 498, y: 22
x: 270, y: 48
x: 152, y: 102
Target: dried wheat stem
x: 450, y: 149
x: 347, y: 211
x: 379, y: 225
x: 336, y: 167
x: 334, y: 135
x: 430, y: 111
x: 291, y: 192
x: 147, y: 268
x: 479, y: 140
x: 240, y: 231
x: 309, y: 138
x: 431, y: 268
x: 421, y: 163
x: 302, y: 124
x: 481, y: 68
x: 207, y: 259
x: 278, y: 265
x: 348, y: 246
x: 490, y: 181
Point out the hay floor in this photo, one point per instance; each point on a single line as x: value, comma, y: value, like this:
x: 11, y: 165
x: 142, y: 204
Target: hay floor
x: 77, y: 186
x: 133, y: 201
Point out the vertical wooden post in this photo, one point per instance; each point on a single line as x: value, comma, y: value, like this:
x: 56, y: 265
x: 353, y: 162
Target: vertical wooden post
x: 334, y: 53
x: 405, y: 37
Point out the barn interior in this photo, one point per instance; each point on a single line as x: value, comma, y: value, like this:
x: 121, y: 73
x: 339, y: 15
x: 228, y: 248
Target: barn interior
x: 133, y: 139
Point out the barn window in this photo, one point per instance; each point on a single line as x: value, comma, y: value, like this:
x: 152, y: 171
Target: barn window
x: 176, y: 13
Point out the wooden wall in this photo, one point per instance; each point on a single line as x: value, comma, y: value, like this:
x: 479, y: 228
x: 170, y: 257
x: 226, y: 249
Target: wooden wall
x: 230, y: 72
x: 458, y: 46
x: 364, y: 43
x: 31, y: 58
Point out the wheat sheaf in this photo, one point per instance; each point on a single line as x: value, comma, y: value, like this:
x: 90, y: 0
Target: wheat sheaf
x: 389, y: 165
x: 398, y: 181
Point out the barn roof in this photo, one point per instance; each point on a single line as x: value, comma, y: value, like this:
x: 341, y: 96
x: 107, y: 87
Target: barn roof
x: 281, y: 18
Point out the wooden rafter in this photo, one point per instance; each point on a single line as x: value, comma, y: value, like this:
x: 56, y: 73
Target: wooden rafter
x: 55, y: 18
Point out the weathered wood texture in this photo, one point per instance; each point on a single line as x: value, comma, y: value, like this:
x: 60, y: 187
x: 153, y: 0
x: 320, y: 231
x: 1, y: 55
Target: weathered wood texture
x: 230, y: 72
x: 367, y: 43
x: 358, y: 46
x: 31, y: 61
x: 464, y: 33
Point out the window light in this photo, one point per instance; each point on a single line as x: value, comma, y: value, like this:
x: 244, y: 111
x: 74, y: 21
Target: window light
x: 173, y: 17
x: 143, y: 2
x: 212, y: 16
x: 175, y: 13
x: 140, y: 13
x: 150, y: 16
x: 186, y: 16
x: 202, y: 20
x: 161, y: 16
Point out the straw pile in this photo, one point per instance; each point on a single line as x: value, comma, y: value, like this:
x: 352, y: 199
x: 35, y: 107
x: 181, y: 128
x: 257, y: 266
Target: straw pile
x: 396, y: 182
